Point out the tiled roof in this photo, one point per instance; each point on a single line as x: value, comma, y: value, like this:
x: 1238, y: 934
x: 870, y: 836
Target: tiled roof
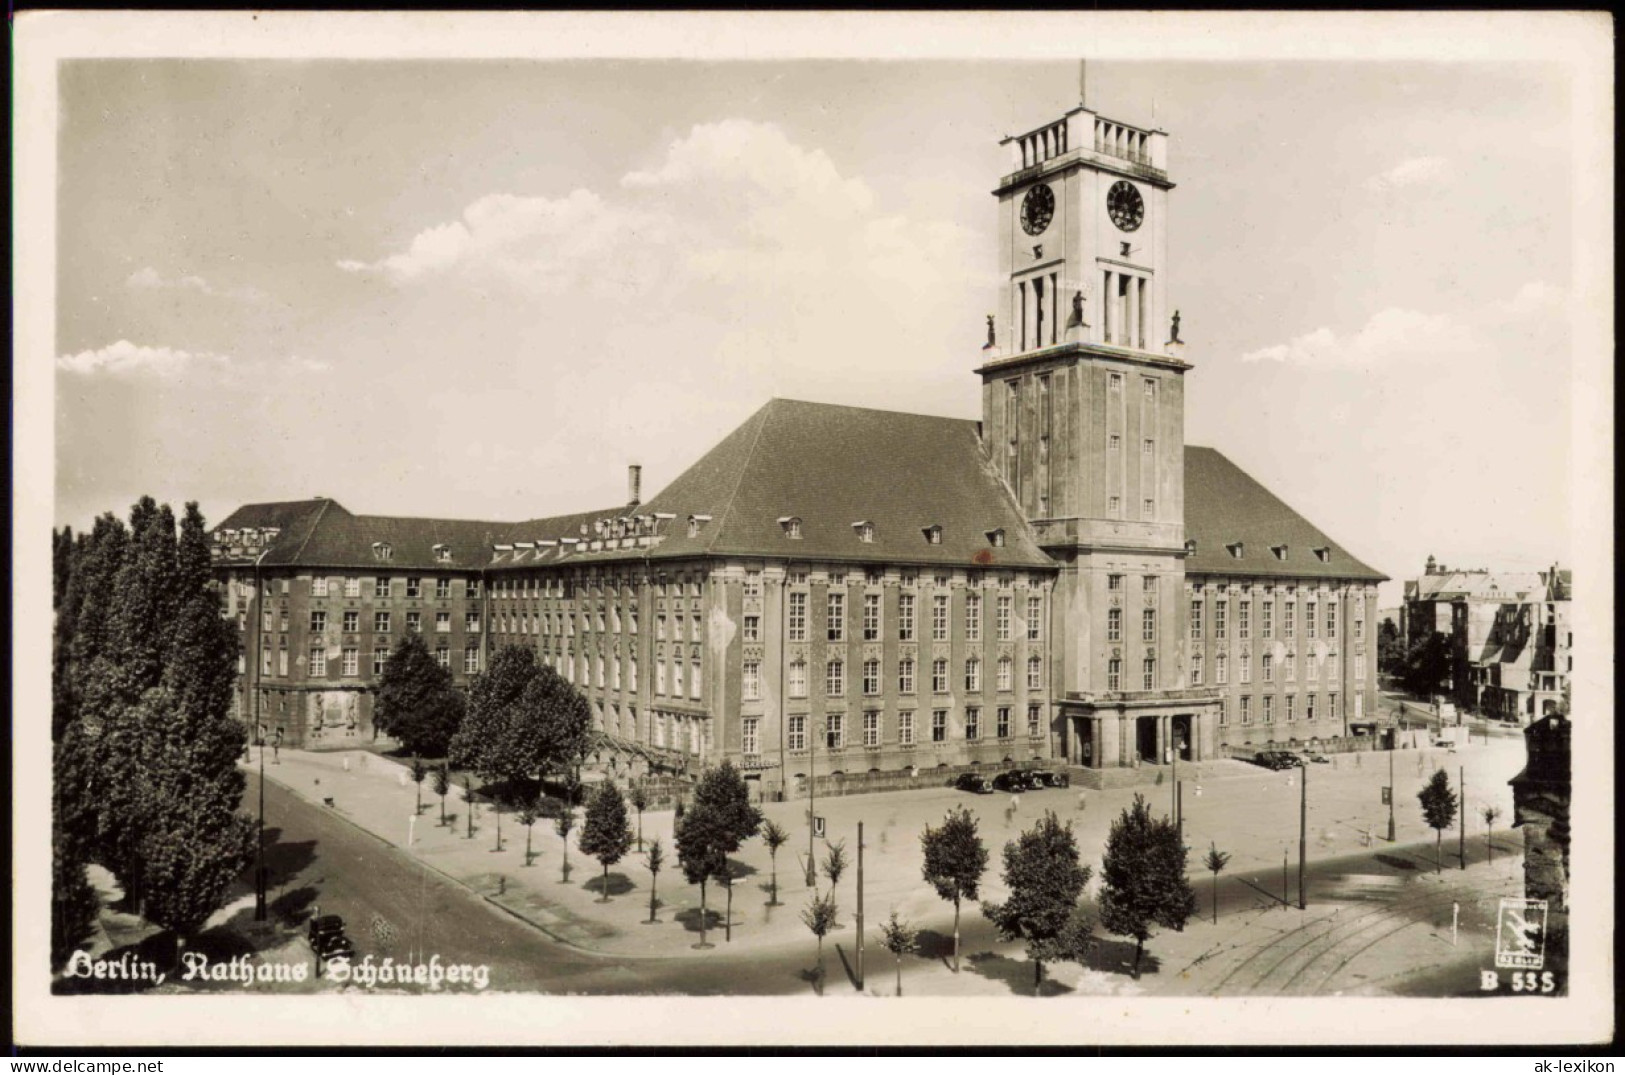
x: 1224, y: 505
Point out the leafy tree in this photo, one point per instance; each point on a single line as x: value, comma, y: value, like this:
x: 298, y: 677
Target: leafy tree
x: 564, y: 822
x: 524, y: 720
x: 955, y: 860
x: 720, y: 820
x: 530, y: 809
x: 87, y: 685
x: 654, y: 859
x: 1216, y: 861
x: 640, y: 802
x: 483, y: 739
x: 419, y: 771
x: 1438, y: 810
x: 605, y: 834
x: 441, y: 776
x: 819, y: 915
x: 1489, y: 814
x: 74, y: 903
x: 1143, y: 875
x: 1390, y: 650
x: 835, y: 862
x: 774, y: 837
x: 1045, y: 879
x: 1426, y: 665
x: 417, y: 702
x: 899, y: 937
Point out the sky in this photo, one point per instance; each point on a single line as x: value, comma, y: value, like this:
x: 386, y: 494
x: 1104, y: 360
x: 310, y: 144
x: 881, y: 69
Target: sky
x: 480, y: 289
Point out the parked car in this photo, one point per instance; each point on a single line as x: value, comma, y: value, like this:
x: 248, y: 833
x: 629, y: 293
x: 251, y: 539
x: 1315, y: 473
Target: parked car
x: 974, y: 782
x: 1048, y: 778
x: 327, y: 937
x: 1316, y: 757
x: 1013, y: 780
x: 1277, y: 759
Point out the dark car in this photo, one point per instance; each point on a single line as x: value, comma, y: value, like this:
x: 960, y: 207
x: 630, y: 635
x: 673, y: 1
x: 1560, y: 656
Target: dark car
x: 975, y: 783
x: 1276, y: 759
x: 1013, y: 780
x: 1048, y: 778
x: 327, y: 937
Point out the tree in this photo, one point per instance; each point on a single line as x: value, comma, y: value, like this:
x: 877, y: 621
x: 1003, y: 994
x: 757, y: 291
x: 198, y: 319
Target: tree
x: 1045, y: 879
x: 1143, y: 877
x: 834, y: 865
x: 416, y: 701
x: 1438, y: 810
x: 640, y: 802
x: 1390, y: 650
x: 774, y: 837
x: 442, y: 785
x: 564, y: 822
x: 654, y: 859
x: 482, y: 739
x: 419, y: 771
x: 1489, y: 814
x: 468, y: 798
x: 1426, y: 665
x: 819, y: 915
x: 719, y: 821
x: 524, y: 720
x: 898, y: 937
x: 605, y: 834
x: 530, y: 808
x: 1216, y: 861
x: 74, y: 903
x: 954, y: 862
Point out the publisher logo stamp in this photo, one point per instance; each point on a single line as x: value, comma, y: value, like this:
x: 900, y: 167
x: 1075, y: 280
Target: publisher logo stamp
x: 1520, y: 934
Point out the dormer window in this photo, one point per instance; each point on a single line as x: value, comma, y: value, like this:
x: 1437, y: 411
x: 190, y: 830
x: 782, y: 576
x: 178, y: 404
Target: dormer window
x: 995, y: 537
x: 382, y: 550
x: 442, y: 554
x: 933, y: 534
x: 1323, y: 554
x: 1236, y: 549
x: 1190, y: 546
x: 695, y: 522
x: 1279, y: 551
x: 865, y: 531
x: 791, y: 525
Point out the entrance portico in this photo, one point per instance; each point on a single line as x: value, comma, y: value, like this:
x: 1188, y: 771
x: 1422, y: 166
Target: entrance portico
x: 1126, y: 732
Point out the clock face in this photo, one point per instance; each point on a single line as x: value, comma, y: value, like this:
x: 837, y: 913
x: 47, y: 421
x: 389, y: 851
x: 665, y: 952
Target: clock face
x: 1037, y: 208
x: 1125, y: 205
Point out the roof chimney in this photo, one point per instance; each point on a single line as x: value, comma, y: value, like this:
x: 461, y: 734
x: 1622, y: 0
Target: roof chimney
x: 634, y: 485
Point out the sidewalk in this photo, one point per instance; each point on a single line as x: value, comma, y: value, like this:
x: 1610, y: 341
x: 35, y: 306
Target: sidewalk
x: 1251, y: 815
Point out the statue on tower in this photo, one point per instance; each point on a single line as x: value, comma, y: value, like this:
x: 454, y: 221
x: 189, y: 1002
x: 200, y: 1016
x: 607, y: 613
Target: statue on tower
x: 989, y: 344
x: 1077, y: 311
x: 1173, y: 336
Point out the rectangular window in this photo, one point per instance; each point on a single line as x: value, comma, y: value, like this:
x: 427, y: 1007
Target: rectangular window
x: 1268, y: 622
x: 1290, y: 667
x: 1220, y: 624
x: 939, y: 617
x: 1309, y: 619
x: 318, y: 587
x: 1269, y: 709
x: 265, y: 661
x: 694, y: 679
x: 1114, y: 674
x: 1196, y: 669
x: 750, y: 739
x: 835, y: 731
x: 352, y: 661
x: 798, y: 678
x: 1309, y: 707
x: 282, y: 659
x: 352, y: 586
x: 973, y: 675
x: 1035, y: 616
x: 1035, y: 673
x: 905, y: 617
x: 1114, y: 507
x: 1246, y: 709
x: 1196, y: 618
x: 1114, y: 582
x: 1114, y: 625
x: 267, y: 620
x: 1006, y: 674
x: 1002, y: 615
x: 835, y: 679
x: 1221, y: 669
x: 1244, y: 620
x: 352, y: 621
x: 939, y: 725
x: 871, y: 728
x: 1331, y: 668
x: 442, y: 588
x: 1359, y: 630
x: 1269, y: 668
x: 318, y: 621
x: 1331, y: 619
x: 1289, y: 713
x: 1149, y: 674
x: 905, y: 727
x: 380, y: 587
x: 414, y: 587
x: 1331, y: 707
x: 837, y: 617
x: 1001, y: 724
x: 871, y: 676
x: 676, y: 675
x: 660, y: 675
x: 1359, y: 667
x: 1148, y: 625
x: 1246, y: 667
x: 751, y: 682
x: 798, y: 617
x: 414, y: 622
x: 939, y: 675
x: 442, y: 622
x: 973, y: 617
x: 905, y: 676
x: 473, y: 588
x: 1311, y: 667
x: 1033, y: 722
x: 798, y: 733
x: 973, y: 721
x: 471, y: 622
x: 753, y: 584
x: 753, y: 628
x: 318, y: 661
x: 871, y: 617
x: 1288, y: 626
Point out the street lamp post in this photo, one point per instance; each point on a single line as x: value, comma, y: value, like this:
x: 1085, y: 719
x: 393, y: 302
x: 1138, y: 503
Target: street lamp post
x: 1390, y: 794
x: 259, y: 868
x: 1462, y: 846
x: 1303, y: 836
x: 812, y: 803
x: 860, y: 907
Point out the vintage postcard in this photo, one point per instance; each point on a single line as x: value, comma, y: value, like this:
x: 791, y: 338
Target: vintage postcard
x: 813, y: 529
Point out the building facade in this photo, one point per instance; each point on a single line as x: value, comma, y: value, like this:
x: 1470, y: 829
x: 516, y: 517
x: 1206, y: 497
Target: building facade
x: 833, y: 589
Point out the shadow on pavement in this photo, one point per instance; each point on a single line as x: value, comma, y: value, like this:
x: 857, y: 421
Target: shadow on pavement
x: 1015, y: 973
x: 1397, y: 863
x: 1117, y: 957
x: 690, y: 919
x: 929, y: 944
x: 619, y: 884
x: 813, y: 977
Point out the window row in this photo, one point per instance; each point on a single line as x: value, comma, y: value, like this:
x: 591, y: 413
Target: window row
x: 349, y: 662
x: 382, y: 622
x: 872, y: 626
x: 384, y: 586
x: 874, y: 730
x: 1270, y: 670
x: 1288, y: 711
x: 1267, y: 625
x: 871, y: 680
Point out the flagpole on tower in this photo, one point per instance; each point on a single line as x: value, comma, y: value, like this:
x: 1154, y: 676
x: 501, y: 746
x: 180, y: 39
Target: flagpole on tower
x: 1083, y: 84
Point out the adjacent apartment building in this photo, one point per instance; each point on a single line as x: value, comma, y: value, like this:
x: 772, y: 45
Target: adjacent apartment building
x: 857, y: 590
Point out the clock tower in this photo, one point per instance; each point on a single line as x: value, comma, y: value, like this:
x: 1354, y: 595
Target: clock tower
x: 1083, y: 416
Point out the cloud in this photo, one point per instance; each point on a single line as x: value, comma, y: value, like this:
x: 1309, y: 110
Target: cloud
x: 1400, y: 336
x: 150, y: 279
x: 1416, y: 172
x: 126, y: 358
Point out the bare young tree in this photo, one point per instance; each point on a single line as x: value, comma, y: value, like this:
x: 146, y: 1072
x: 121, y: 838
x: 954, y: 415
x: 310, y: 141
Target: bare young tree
x: 899, y: 937
x: 774, y: 837
x: 1489, y: 814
